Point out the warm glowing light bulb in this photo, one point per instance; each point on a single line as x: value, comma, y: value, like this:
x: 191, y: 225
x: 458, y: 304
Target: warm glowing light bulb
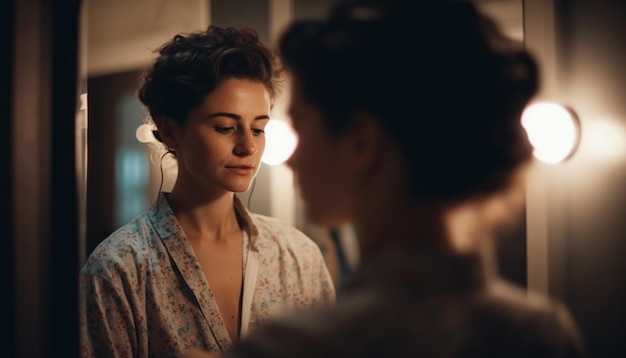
x: 83, y: 101
x: 280, y: 142
x: 144, y: 133
x: 553, y: 130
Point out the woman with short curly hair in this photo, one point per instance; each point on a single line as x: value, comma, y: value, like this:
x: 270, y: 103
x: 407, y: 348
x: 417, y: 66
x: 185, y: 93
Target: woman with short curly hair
x: 197, y: 269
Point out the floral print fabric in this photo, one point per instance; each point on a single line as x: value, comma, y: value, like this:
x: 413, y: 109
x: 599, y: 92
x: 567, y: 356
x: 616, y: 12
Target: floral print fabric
x: 144, y: 294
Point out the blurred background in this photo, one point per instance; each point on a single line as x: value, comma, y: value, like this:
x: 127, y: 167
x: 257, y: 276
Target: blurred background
x: 124, y: 174
x: 77, y: 170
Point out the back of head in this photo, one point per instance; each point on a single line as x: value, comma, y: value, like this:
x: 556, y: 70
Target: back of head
x: 438, y: 75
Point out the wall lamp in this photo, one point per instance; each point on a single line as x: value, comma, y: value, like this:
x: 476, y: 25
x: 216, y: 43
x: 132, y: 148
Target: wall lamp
x: 553, y: 130
x: 145, y: 133
x: 280, y: 142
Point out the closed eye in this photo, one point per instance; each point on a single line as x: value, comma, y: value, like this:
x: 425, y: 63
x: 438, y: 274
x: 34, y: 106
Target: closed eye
x: 224, y: 129
x: 257, y: 131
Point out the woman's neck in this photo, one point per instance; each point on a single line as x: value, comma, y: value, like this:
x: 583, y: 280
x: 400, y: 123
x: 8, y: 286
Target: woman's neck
x: 456, y: 231
x: 204, y: 216
x: 389, y: 220
x: 402, y: 228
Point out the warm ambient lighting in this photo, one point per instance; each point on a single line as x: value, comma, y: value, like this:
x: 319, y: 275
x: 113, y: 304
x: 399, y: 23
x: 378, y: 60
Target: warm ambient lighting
x: 553, y: 131
x: 280, y: 142
x: 144, y: 133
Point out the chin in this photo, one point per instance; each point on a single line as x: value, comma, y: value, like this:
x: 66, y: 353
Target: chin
x: 239, y: 186
x: 239, y: 189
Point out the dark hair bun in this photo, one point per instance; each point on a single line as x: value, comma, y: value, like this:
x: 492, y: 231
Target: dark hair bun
x: 440, y: 77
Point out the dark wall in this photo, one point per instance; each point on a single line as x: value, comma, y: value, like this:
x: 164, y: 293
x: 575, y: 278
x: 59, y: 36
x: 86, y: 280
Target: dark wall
x: 243, y: 13
x: 511, y: 251
x: 305, y: 9
x: 105, y: 94
x: 591, y: 189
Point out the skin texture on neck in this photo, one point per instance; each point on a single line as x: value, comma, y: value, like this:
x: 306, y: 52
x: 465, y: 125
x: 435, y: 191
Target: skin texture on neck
x: 208, y: 217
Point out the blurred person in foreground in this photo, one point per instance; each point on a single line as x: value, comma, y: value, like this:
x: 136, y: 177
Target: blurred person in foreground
x: 197, y: 269
x: 408, y: 114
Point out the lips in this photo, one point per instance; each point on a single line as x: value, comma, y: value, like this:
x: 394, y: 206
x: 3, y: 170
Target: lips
x: 241, y: 169
x: 242, y: 166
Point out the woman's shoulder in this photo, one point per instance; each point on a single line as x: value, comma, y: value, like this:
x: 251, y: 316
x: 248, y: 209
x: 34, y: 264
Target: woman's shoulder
x: 126, y: 247
x: 274, y: 230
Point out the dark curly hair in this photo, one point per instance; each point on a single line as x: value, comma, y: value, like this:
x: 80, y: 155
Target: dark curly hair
x: 190, y: 66
x: 437, y: 74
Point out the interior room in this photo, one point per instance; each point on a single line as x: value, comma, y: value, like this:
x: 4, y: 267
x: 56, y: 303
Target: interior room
x: 79, y: 167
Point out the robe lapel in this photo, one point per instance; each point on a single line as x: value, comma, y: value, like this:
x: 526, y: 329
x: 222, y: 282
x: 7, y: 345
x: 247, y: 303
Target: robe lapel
x: 249, y: 283
x: 181, y: 254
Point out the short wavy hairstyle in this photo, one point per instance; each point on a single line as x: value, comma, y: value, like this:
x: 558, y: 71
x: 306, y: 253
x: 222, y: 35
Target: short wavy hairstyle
x: 192, y: 65
x: 438, y: 75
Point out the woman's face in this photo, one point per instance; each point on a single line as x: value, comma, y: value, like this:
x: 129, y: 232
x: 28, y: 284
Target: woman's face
x: 319, y: 163
x: 221, y: 144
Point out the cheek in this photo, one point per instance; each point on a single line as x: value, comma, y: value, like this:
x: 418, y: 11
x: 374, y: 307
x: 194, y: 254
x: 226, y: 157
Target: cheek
x: 260, y: 144
x: 208, y: 150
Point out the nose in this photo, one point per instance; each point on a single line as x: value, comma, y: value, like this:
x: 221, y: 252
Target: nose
x: 246, y: 144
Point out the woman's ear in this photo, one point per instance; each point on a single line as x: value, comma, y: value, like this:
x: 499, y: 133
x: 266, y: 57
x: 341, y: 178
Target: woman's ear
x: 168, y: 131
x: 369, y: 141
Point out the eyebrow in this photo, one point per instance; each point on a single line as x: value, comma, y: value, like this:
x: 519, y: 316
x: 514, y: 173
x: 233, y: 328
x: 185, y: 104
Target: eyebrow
x: 235, y: 116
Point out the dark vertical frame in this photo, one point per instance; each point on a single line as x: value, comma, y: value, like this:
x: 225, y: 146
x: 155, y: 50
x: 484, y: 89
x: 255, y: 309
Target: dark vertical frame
x: 41, y: 185
x: 64, y: 225
x: 30, y: 120
x: 7, y: 283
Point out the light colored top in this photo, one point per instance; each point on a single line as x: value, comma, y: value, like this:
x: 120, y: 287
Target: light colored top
x: 144, y: 294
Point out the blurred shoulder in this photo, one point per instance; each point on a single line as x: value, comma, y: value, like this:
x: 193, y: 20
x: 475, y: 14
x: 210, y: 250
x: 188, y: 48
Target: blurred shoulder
x: 345, y: 329
x: 545, y: 324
